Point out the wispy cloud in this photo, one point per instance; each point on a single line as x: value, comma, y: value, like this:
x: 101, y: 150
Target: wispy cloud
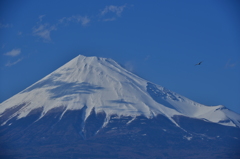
x: 230, y: 64
x: 84, y: 20
x: 8, y: 64
x: 13, y: 52
x: 41, y: 17
x: 43, y: 31
x: 114, y: 9
x: 19, y: 33
x: 111, y: 12
x: 5, y: 25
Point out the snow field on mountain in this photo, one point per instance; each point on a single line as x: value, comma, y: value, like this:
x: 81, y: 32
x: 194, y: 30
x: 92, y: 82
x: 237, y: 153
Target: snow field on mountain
x: 102, y: 84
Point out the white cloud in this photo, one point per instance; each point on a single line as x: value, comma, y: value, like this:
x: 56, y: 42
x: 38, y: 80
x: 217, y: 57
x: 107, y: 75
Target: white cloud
x: 84, y: 20
x: 19, y: 33
x: 41, y: 17
x: 13, y: 52
x: 43, y: 31
x: 5, y: 25
x: 62, y: 20
x: 13, y: 63
x: 230, y: 64
x: 114, y: 9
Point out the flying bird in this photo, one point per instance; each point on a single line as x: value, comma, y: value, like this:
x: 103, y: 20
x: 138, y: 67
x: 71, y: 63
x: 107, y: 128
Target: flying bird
x: 198, y: 63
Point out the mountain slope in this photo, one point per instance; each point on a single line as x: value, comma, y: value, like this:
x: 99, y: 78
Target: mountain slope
x: 93, y: 108
x: 104, y: 85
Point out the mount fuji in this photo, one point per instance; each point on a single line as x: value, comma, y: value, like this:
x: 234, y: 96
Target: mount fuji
x: 91, y: 107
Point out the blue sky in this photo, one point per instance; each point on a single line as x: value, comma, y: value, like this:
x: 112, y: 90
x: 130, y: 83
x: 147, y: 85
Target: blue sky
x: 159, y: 40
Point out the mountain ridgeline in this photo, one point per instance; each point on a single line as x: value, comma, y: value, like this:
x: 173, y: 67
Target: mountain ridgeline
x: 93, y: 108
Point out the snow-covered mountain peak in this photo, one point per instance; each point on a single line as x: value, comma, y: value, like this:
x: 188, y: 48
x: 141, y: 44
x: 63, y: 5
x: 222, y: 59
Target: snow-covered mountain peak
x: 103, y: 85
x: 92, y: 60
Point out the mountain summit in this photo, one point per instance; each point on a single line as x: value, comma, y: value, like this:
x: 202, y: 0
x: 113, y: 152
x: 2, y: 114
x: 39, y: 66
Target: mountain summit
x: 102, y: 84
x: 94, y: 100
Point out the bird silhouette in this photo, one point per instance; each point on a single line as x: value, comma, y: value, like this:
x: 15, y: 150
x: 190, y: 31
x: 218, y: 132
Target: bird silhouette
x: 198, y: 63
